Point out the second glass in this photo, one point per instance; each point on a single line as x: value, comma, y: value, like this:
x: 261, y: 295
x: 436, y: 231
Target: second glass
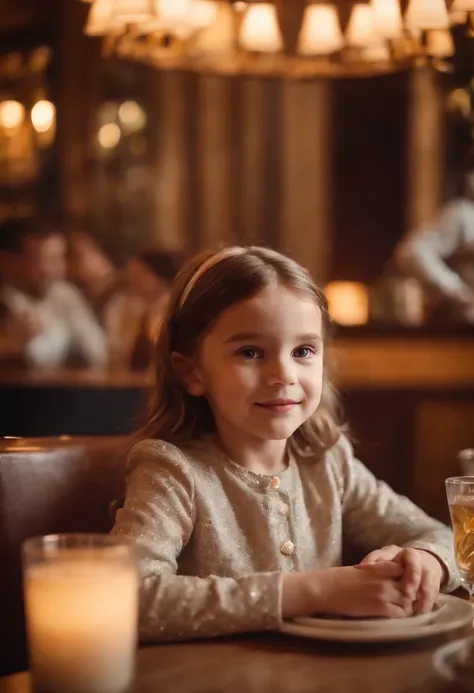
x: 460, y: 494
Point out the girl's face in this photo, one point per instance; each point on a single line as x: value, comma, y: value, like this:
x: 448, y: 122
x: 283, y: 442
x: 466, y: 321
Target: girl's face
x: 261, y: 366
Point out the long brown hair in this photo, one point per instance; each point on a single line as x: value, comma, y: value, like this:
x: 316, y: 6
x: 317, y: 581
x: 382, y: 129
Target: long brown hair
x: 204, y: 288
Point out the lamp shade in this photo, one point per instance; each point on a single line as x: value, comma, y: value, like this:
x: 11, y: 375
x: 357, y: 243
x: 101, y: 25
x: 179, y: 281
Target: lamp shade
x: 260, y: 31
x: 427, y: 14
x: 320, y: 32
x: 361, y: 31
x: 388, y: 18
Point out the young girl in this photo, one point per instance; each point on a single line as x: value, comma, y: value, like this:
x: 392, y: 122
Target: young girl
x: 241, y: 489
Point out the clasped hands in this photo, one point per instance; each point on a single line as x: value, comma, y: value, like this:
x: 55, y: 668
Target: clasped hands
x: 421, y: 575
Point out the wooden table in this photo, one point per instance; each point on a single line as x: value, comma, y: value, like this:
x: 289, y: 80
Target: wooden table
x: 278, y: 664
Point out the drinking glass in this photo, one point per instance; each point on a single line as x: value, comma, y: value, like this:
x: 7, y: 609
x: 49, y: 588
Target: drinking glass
x: 81, y: 602
x: 460, y: 494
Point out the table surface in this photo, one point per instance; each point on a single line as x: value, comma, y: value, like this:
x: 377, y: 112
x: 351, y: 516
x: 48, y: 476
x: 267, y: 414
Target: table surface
x: 270, y: 663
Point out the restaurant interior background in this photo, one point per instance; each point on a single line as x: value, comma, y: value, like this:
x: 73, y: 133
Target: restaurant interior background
x: 334, y: 169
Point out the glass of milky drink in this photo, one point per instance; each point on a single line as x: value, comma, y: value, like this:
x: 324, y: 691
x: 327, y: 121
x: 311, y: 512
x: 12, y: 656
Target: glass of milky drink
x: 460, y: 493
x: 81, y: 603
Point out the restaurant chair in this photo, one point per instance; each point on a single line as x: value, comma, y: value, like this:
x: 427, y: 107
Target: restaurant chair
x: 49, y: 486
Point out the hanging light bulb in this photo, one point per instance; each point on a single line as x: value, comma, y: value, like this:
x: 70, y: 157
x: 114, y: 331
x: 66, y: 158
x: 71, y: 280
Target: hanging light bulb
x: 109, y: 136
x: 361, y: 31
x: 321, y: 32
x: 12, y: 114
x: 388, y: 18
x: 427, y: 14
x: 260, y: 31
x: 43, y: 116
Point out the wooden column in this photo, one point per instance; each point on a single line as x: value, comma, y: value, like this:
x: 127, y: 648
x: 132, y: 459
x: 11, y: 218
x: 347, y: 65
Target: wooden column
x: 213, y: 174
x: 425, y: 147
x: 172, y: 162
x: 254, y: 124
x: 306, y: 140
x: 78, y: 76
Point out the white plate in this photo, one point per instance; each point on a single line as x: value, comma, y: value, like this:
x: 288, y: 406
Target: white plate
x: 370, y: 624
x: 444, y: 662
x: 456, y: 614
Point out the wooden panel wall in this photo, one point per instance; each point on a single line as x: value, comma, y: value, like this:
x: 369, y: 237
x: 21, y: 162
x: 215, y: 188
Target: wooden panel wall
x: 245, y: 160
x: 425, y: 147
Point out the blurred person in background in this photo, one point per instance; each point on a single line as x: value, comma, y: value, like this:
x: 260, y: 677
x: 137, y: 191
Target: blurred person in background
x: 133, y: 317
x: 92, y: 271
x: 45, y: 322
x: 440, y: 254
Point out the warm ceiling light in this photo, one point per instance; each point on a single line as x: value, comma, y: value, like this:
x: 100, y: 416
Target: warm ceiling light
x: 427, y: 14
x: 180, y: 17
x: 348, y: 302
x: 362, y: 31
x: 388, y: 18
x: 260, y: 31
x: 321, y: 32
x: 172, y: 11
x: 233, y: 37
x: 132, y: 116
x: 109, y: 136
x: 99, y: 21
x: 463, y: 6
x: 133, y: 11
x: 43, y: 115
x: 12, y: 114
x: 202, y: 13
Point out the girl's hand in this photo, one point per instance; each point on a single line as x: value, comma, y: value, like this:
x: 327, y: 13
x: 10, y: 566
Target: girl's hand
x: 369, y: 590
x: 422, y: 574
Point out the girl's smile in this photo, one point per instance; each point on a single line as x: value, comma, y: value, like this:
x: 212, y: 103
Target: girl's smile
x: 279, y: 406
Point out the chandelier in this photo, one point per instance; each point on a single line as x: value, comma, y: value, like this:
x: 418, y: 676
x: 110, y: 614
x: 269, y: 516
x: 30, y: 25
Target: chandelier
x: 291, y: 38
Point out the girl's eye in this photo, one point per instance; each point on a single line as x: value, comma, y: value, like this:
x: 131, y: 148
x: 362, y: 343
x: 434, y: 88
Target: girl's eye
x: 250, y: 352
x: 304, y: 352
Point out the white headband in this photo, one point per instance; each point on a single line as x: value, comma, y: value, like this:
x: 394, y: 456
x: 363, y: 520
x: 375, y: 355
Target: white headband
x: 202, y: 269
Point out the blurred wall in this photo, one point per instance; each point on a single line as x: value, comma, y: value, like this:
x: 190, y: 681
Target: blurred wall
x: 333, y: 172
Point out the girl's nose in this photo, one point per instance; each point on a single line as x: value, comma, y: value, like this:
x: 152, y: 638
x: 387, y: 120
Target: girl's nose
x: 281, y: 372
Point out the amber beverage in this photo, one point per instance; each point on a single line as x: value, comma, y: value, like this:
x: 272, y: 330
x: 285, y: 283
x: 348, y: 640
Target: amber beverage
x: 460, y: 493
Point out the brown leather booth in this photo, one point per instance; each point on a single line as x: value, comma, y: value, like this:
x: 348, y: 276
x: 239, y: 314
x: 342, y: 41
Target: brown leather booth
x: 49, y: 486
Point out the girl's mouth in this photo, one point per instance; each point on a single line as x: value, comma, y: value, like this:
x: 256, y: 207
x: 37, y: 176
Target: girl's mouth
x: 279, y: 406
